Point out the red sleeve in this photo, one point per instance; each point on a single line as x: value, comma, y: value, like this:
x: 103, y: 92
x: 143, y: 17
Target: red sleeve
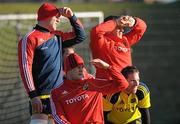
x: 68, y: 35
x: 105, y: 86
x: 98, y: 33
x: 26, y: 48
x: 137, y: 32
x: 65, y: 35
x: 57, y: 109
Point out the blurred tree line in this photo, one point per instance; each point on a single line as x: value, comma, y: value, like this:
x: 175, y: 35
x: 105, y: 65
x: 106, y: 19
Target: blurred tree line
x: 91, y: 1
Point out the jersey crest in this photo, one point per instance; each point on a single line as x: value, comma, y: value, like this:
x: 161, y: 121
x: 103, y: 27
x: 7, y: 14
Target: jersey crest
x: 85, y: 87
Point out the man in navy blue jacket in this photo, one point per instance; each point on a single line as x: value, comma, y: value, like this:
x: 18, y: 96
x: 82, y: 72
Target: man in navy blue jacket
x: 40, y: 57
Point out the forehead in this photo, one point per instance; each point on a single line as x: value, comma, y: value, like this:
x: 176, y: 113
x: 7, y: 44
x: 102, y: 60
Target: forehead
x: 134, y: 75
x: 77, y: 67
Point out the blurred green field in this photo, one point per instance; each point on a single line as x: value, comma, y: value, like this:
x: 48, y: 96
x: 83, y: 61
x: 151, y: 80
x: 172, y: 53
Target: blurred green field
x: 107, y: 8
x: 157, y: 56
x: 32, y: 7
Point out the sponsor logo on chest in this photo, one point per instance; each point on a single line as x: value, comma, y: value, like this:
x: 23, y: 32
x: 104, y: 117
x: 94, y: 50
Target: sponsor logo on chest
x: 77, y: 99
x: 121, y: 49
x: 127, y: 109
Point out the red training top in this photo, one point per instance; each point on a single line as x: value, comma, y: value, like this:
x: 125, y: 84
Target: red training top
x: 111, y: 49
x: 80, y: 101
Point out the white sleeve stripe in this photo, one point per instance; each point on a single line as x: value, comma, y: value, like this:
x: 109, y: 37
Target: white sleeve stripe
x: 55, y: 116
x: 26, y: 73
x: 58, y: 120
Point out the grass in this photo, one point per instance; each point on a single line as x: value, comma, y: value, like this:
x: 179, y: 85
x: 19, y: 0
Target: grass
x: 107, y: 8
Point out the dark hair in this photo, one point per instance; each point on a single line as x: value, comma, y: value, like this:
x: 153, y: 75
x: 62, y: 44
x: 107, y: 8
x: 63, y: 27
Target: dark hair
x: 128, y: 70
x: 111, y: 17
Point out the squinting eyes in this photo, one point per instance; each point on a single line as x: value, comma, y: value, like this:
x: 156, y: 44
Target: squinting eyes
x: 135, y: 81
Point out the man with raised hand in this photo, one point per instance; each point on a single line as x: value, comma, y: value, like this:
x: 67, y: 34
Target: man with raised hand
x: 110, y: 44
x: 79, y: 99
x: 40, y: 58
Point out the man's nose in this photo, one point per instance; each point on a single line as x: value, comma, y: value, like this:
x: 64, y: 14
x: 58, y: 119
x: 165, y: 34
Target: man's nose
x: 136, y: 83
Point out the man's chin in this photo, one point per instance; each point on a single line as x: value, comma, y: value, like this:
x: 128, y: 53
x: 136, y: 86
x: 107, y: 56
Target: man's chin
x: 131, y: 91
x: 134, y: 91
x: 82, y: 77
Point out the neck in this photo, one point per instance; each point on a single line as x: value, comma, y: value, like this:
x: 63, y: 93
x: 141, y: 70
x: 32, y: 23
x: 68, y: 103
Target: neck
x: 43, y: 24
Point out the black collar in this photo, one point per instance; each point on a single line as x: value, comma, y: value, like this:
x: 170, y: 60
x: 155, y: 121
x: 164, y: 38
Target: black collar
x: 40, y: 28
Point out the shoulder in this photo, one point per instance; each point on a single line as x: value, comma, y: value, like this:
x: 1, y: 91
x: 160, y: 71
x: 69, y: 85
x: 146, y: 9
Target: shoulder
x: 30, y: 36
x: 59, y: 33
x: 59, y: 89
x: 112, y: 98
x: 142, y: 90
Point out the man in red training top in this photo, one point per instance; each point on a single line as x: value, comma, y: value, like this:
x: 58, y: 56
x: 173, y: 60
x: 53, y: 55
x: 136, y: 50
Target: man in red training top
x: 79, y: 99
x: 109, y: 44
